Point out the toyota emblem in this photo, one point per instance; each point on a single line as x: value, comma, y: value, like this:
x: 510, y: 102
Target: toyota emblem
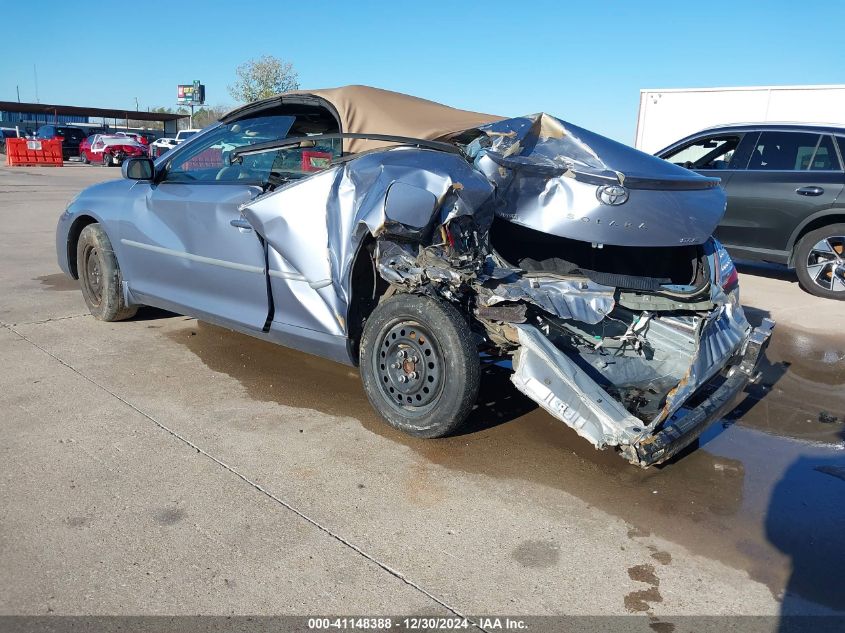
x: 612, y: 195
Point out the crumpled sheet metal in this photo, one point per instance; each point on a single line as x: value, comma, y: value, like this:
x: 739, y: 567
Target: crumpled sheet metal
x: 583, y: 301
x: 338, y: 207
x: 548, y: 172
x: 722, y: 335
x: 412, y: 265
x: 550, y: 378
x: 546, y: 375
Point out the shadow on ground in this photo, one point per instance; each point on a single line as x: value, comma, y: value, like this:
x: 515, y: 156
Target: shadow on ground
x: 764, y: 269
x: 806, y: 521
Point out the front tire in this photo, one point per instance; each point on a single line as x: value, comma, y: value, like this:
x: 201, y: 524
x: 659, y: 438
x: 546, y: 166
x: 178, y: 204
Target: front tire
x: 419, y: 365
x: 820, y: 262
x: 99, y: 276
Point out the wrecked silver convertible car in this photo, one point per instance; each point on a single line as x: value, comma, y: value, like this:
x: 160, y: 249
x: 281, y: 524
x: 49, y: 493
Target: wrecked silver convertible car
x: 413, y: 239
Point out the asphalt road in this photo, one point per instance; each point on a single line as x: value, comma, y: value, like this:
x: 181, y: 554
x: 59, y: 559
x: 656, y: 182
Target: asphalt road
x: 166, y: 466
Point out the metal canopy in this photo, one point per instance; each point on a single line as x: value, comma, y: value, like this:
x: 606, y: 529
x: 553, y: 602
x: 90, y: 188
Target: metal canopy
x: 110, y: 113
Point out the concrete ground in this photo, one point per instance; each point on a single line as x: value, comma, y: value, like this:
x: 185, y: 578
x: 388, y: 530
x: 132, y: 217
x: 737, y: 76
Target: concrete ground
x: 166, y: 466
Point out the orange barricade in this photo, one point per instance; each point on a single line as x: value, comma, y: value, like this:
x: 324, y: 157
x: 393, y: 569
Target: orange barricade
x: 25, y: 152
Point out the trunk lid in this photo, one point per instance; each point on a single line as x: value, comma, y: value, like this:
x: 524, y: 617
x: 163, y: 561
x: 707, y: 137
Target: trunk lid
x: 566, y: 181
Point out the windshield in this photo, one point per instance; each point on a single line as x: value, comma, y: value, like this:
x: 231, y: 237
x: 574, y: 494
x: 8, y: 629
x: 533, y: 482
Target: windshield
x: 70, y: 133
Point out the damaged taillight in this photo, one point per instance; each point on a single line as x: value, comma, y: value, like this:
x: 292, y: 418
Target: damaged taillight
x: 726, y: 274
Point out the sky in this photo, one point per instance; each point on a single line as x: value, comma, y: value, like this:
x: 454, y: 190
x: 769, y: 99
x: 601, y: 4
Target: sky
x: 584, y: 62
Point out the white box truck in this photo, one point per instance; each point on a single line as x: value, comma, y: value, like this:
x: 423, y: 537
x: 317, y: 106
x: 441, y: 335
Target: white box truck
x: 666, y: 116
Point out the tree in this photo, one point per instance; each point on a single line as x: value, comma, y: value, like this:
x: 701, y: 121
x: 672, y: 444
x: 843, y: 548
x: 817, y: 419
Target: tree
x: 263, y: 77
x: 209, y: 114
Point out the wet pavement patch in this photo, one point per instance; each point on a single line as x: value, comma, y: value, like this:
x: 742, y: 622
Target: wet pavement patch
x: 641, y: 600
x: 59, y: 282
x: 169, y: 516
x: 78, y: 522
x: 537, y: 553
x: 664, y: 558
x: 749, y: 494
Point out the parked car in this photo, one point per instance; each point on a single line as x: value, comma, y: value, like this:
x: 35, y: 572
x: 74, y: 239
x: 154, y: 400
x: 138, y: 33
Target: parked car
x: 161, y: 145
x: 7, y: 132
x: 110, y: 150
x: 70, y: 137
x: 85, y: 148
x: 183, y: 135
x: 140, y: 138
x: 785, y: 195
x: 407, y: 237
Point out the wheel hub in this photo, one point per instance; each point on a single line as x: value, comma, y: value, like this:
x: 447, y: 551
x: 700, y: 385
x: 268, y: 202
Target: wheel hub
x: 94, y: 274
x: 408, y: 365
x: 826, y: 263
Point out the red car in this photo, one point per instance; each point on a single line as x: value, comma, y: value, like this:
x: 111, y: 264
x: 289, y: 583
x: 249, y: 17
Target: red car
x: 134, y: 136
x: 109, y: 150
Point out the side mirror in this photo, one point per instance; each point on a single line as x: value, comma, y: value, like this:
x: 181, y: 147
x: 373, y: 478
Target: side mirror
x: 138, y: 168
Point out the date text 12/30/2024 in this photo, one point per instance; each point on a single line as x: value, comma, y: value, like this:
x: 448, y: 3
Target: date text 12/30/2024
x: 415, y: 623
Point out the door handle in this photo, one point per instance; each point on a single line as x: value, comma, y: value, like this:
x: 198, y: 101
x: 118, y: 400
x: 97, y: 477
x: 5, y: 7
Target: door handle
x: 809, y: 191
x: 241, y: 223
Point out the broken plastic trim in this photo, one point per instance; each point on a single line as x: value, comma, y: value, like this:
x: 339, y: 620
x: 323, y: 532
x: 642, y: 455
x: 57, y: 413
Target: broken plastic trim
x: 269, y: 146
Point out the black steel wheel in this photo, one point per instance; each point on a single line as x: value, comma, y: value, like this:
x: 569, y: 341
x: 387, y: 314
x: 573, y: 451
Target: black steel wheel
x: 820, y: 262
x: 419, y: 365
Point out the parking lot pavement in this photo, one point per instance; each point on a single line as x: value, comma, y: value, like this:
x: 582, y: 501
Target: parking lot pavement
x: 162, y: 465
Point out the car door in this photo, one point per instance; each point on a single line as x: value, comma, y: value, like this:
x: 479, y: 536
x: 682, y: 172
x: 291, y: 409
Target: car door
x: 789, y: 176
x: 95, y: 153
x: 187, y: 247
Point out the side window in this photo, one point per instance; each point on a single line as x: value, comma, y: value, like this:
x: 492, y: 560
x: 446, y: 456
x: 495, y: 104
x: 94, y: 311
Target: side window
x: 825, y: 158
x: 713, y: 152
x: 784, y: 151
x: 209, y: 158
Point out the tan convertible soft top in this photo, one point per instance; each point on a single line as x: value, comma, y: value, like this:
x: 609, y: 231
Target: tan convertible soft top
x: 367, y: 110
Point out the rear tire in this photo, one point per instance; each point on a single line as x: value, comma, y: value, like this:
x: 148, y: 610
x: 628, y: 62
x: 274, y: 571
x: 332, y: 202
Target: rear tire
x: 83, y: 158
x: 419, y: 365
x: 820, y: 262
x: 99, y: 276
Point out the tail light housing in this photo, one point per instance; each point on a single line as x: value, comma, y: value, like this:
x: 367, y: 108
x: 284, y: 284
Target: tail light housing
x: 726, y: 273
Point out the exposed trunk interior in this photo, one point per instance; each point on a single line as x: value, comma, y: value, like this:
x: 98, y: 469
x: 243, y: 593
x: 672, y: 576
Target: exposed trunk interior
x: 638, y: 358
x: 645, y: 269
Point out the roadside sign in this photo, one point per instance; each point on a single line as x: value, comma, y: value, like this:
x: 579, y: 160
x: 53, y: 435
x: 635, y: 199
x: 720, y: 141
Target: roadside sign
x: 190, y: 94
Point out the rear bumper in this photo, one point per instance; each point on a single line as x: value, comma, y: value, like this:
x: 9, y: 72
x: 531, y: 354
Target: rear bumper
x: 690, y: 424
x: 550, y: 378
